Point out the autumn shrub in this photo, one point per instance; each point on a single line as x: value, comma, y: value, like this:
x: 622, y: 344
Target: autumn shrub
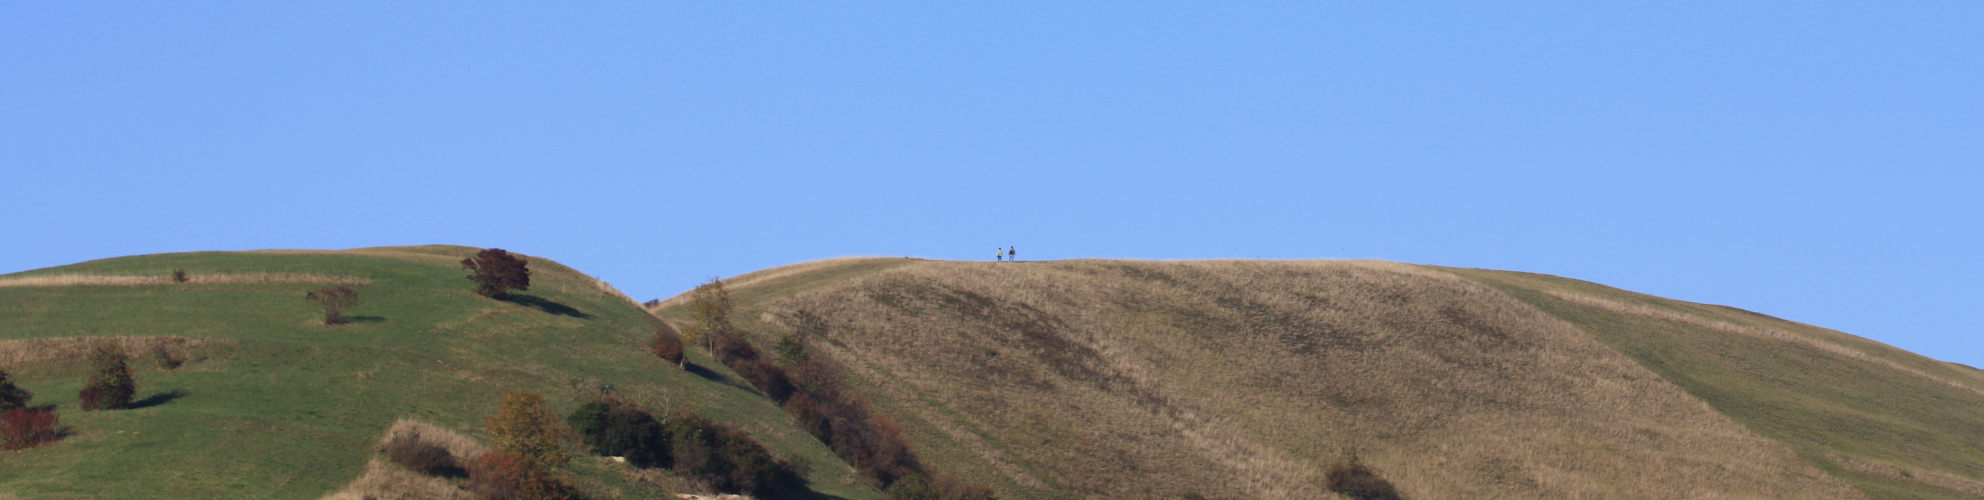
x: 1354, y: 479
x: 28, y: 427
x: 523, y: 426
x: 502, y: 475
x: 12, y: 396
x: 619, y: 429
x: 667, y: 346
x: 111, y: 385
x: 415, y: 454
x: 870, y: 443
x: 178, y: 275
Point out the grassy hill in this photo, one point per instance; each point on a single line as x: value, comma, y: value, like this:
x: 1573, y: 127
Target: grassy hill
x: 1250, y: 379
x: 1073, y: 379
x: 271, y: 404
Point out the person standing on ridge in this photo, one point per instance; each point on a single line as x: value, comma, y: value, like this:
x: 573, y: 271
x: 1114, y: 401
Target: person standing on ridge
x: 1013, y: 254
x: 998, y: 254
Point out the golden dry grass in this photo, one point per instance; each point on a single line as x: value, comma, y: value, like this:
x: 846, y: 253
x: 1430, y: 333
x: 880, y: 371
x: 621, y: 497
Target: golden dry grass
x: 37, y: 350
x: 383, y: 480
x: 1246, y: 379
x: 194, y: 279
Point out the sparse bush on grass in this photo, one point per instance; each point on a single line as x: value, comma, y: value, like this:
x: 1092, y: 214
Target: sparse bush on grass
x: 408, y: 450
x: 619, y: 429
x: 667, y: 346
x: 496, y: 272
x: 28, y: 427
x: 1356, y: 480
x: 111, y: 385
x: 728, y: 460
x: 334, y: 300
x: 168, y: 358
x: 178, y: 275
x: 12, y: 397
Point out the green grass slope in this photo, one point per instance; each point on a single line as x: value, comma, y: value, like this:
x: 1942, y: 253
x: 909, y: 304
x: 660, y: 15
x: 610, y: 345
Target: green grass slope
x: 272, y: 404
x: 1249, y: 379
x: 1892, y: 423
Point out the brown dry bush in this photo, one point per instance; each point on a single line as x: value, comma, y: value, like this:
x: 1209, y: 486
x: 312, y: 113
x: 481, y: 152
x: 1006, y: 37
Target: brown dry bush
x: 28, y: 427
x: 496, y: 272
x: 502, y: 475
x: 667, y: 346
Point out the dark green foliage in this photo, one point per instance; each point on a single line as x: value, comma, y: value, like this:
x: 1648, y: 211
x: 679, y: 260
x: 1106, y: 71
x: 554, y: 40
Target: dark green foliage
x: 111, y: 385
x: 408, y: 450
x: 334, y: 300
x: 12, y: 396
x: 1352, y: 478
x: 727, y: 459
x: 496, y: 272
x: 614, y: 428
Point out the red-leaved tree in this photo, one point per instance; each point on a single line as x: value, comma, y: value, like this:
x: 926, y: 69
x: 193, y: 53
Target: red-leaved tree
x: 496, y: 272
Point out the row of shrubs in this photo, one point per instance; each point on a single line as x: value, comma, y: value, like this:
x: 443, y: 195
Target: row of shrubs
x: 811, y: 391
x: 110, y: 387
x: 720, y: 456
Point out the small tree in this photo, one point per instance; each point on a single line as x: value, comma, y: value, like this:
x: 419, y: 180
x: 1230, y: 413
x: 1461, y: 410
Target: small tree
x: 709, y: 306
x: 496, y: 272
x: 178, y: 275
x: 12, y: 396
x: 335, y: 301
x: 111, y: 385
x: 523, y: 426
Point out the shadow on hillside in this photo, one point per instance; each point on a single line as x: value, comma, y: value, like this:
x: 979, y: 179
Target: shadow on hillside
x: 701, y: 371
x: 364, y: 319
x: 158, y: 399
x: 546, y: 305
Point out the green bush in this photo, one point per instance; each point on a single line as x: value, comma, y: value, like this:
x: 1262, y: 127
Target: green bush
x: 12, y: 396
x: 619, y: 429
x: 727, y: 459
x: 111, y: 385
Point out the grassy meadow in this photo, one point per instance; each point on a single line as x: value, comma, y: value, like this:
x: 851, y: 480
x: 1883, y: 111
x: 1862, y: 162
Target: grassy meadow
x: 269, y: 403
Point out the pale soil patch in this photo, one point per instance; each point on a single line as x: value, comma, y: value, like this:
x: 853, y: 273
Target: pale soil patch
x: 384, y: 480
x: 191, y: 279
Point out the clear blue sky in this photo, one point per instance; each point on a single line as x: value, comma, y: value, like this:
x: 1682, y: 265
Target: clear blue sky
x: 1818, y: 161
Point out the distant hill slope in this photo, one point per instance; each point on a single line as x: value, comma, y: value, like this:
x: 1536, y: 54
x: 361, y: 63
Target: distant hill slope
x: 1248, y: 379
x: 271, y: 404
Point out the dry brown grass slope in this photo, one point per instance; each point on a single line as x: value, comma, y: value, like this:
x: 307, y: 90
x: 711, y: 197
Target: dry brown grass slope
x: 1247, y: 379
